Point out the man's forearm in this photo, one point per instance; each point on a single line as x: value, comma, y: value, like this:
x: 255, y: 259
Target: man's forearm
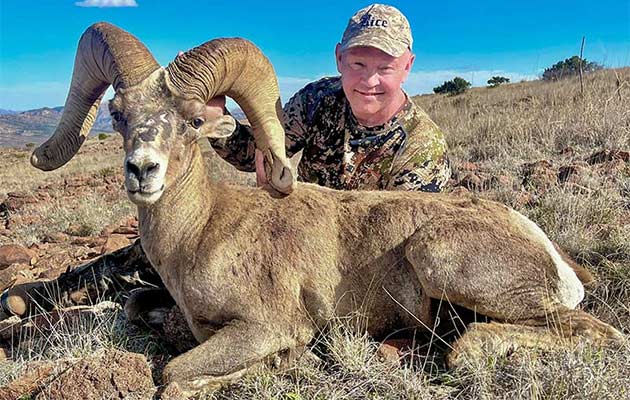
x: 238, y: 149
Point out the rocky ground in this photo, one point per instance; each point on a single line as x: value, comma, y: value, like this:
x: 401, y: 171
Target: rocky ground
x: 57, y: 246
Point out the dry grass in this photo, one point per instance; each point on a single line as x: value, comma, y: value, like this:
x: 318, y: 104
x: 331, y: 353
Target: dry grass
x: 83, y: 216
x: 499, y: 129
x: 17, y: 174
x: 508, y: 125
x: 75, y: 336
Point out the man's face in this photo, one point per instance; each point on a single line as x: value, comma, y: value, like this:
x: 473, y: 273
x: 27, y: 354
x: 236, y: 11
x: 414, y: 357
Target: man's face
x: 372, y: 80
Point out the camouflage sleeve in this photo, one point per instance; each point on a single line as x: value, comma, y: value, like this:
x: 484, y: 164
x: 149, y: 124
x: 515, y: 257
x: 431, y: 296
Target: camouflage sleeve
x: 295, y: 123
x: 422, y: 163
x: 239, y: 148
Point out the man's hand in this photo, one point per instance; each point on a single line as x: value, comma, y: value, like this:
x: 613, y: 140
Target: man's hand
x: 214, y: 107
x: 261, y: 178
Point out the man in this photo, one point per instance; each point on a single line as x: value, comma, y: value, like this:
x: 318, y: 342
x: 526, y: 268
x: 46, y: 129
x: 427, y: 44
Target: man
x: 359, y: 130
x: 356, y: 131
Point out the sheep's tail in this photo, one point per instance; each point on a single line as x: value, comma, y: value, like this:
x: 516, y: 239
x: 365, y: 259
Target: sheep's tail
x: 582, y: 273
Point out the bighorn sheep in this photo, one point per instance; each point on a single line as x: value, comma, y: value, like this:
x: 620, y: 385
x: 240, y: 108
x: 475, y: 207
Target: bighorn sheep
x: 256, y: 274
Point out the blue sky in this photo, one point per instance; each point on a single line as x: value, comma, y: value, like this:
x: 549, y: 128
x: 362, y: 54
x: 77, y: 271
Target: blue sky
x: 473, y: 39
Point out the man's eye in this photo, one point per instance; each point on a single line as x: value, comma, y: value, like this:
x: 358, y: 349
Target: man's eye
x: 196, y: 123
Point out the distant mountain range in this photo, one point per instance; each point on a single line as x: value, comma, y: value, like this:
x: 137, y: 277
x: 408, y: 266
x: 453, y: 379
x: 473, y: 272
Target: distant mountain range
x: 35, y: 126
x: 18, y: 128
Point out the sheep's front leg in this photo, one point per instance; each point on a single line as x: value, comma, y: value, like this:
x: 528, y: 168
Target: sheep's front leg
x: 226, y: 356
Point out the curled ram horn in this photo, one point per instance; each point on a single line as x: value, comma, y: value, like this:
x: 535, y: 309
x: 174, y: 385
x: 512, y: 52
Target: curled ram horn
x: 106, y: 55
x: 237, y: 68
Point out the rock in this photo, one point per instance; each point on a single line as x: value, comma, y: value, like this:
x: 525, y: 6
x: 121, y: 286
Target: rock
x: 613, y: 169
x: 539, y: 175
x: 42, y: 195
x: 35, y: 376
x: 173, y: 392
x: 388, y: 354
x: 111, y: 374
x: 89, y: 241
x: 9, y: 327
x: 470, y: 181
x: 7, y: 275
x: 126, y: 230
x: 115, y: 242
x: 15, y: 254
x: 469, y: 166
x: 571, y: 173
x: 459, y: 191
x: 505, y: 182
x: 128, y: 227
x: 608, y: 155
x: 17, y: 200
x: 567, y: 151
x: 75, y: 182
x: 393, y: 350
x: 525, y: 199
x: 77, y: 230
x: 19, y: 195
x: 15, y: 274
x: 55, y: 237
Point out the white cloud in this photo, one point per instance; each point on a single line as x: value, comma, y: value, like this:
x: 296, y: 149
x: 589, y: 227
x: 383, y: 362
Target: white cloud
x: 420, y: 82
x: 107, y: 3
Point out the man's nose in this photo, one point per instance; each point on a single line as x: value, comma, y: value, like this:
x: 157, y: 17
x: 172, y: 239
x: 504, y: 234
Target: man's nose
x: 371, y: 78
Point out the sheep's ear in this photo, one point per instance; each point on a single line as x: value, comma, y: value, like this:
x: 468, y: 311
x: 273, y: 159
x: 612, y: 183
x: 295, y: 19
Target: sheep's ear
x: 294, y: 161
x: 219, y: 128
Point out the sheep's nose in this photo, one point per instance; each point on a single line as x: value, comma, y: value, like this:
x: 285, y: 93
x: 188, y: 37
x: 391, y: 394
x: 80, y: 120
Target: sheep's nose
x: 142, y: 170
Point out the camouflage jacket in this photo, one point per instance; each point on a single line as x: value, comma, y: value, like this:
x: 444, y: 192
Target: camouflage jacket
x: 407, y: 153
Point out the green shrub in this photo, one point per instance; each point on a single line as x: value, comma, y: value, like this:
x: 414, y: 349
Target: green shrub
x: 456, y: 86
x: 497, y: 80
x: 569, y: 67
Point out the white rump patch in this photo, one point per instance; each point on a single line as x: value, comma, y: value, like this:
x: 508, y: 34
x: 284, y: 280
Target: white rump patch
x: 570, y: 289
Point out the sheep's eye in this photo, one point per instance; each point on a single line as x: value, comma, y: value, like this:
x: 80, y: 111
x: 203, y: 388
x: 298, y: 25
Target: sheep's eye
x: 116, y: 116
x: 196, y: 123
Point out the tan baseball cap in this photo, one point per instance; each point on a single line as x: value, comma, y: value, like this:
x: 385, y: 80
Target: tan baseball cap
x: 380, y: 26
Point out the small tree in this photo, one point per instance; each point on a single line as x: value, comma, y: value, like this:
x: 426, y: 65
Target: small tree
x: 497, y: 80
x: 569, y: 67
x: 102, y: 136
x: 456, y: 86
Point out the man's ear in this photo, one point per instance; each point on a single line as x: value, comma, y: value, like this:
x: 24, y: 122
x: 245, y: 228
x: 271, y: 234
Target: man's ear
x: 219, y: 128
x: 338, y: 56
x: 409, y: 65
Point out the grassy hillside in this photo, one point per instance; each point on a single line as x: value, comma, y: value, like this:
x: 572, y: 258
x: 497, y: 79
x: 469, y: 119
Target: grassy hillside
x: 558, y: 156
